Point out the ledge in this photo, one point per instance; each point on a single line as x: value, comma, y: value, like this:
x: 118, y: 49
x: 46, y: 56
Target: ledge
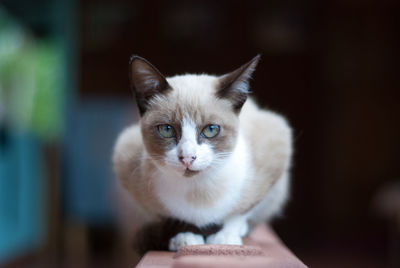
x: 262, y: 248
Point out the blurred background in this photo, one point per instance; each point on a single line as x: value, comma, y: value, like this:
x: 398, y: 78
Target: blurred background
x: 330, y: 66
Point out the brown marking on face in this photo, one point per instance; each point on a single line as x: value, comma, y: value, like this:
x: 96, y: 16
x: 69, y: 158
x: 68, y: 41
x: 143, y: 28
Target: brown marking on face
x: 225, y: 141
x: 156, y: 145
x: 172, y: 109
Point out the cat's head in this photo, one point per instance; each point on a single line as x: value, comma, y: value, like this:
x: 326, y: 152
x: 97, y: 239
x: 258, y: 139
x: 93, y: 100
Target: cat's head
x: 189, y: 123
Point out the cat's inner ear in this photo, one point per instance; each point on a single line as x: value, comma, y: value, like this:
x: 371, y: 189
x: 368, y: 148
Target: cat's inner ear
x: 234, y: 86
x: 146, y: 82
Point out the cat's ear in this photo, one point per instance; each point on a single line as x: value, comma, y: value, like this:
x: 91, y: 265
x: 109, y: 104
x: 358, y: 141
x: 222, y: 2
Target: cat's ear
x: 234, y: 86
x: 145, y: 81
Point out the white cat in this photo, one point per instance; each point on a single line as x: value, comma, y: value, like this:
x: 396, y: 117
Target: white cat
x: 202, y: 154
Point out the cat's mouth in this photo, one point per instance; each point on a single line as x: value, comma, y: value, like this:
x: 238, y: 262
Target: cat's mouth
x: 189, y: 173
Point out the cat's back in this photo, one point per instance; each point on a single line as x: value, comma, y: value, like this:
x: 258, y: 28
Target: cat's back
x: 269, y: 137
x: 263, y: 127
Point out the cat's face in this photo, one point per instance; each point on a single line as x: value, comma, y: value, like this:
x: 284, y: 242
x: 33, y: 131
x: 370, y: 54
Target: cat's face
x: 189, y: 130
x: 189, y: 123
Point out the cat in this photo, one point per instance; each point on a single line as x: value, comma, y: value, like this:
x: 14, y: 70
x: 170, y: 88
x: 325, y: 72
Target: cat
x: 203, y: 153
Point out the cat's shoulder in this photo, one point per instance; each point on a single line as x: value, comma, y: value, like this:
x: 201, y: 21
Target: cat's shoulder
x: 263, y: 121
x: 266, y: 131
x: 130, y: 138
x: 128, y: 150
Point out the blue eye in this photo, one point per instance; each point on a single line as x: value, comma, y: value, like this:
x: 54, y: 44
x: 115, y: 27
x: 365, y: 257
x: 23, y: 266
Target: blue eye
x: 166, y: 131
x: 210, y: 131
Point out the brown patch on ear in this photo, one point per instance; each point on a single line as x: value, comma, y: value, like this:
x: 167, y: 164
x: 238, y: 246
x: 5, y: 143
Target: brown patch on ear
x: 145, y: 81
x: 234, y: 86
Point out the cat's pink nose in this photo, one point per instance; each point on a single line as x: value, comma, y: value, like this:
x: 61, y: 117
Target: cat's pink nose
x: 187, y: 160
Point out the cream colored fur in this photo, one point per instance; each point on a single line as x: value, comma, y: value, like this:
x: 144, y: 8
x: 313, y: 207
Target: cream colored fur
x: 251, y: 184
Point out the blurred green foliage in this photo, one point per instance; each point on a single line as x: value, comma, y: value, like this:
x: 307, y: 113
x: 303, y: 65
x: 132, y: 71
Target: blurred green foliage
x: 31, y: 81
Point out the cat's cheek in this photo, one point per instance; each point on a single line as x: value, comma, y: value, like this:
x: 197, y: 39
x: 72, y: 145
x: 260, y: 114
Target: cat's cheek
x: 204, y: 158
x: 171, y: 161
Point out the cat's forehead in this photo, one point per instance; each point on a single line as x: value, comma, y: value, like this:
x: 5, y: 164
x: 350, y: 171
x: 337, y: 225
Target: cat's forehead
x: 192, y: 97
x: 193, y: 87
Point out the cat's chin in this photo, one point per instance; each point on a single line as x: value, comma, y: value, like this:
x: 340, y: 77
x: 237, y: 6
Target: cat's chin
x: 190, y: 173
x: 180, y: 172
x: 187, y: 173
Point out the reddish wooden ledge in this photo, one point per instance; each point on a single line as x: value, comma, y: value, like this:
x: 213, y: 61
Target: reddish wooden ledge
x: 262, y: 248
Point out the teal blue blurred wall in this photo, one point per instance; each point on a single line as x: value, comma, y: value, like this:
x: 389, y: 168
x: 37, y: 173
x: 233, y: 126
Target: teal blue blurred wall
x: 22, y: 195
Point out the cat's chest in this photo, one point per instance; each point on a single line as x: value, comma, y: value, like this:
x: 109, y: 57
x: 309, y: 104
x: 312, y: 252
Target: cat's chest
x: 202, y: 203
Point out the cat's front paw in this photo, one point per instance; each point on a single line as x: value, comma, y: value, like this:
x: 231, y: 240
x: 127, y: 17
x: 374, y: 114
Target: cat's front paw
x: 225, y: 238
x: 185, y: 239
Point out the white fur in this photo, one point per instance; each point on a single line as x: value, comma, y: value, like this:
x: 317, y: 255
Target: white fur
x: 188, y: 147
x: 185, y: 239
x: 234, y: 229
x: 273, y: 202
x: 192, y: 86
x: 172, y: 190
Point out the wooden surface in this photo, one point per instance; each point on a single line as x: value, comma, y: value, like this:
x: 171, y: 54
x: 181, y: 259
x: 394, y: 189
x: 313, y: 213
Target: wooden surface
x: 274, y: 254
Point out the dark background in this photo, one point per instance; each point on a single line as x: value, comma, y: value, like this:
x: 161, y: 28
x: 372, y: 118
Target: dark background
x: 331, y: 67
